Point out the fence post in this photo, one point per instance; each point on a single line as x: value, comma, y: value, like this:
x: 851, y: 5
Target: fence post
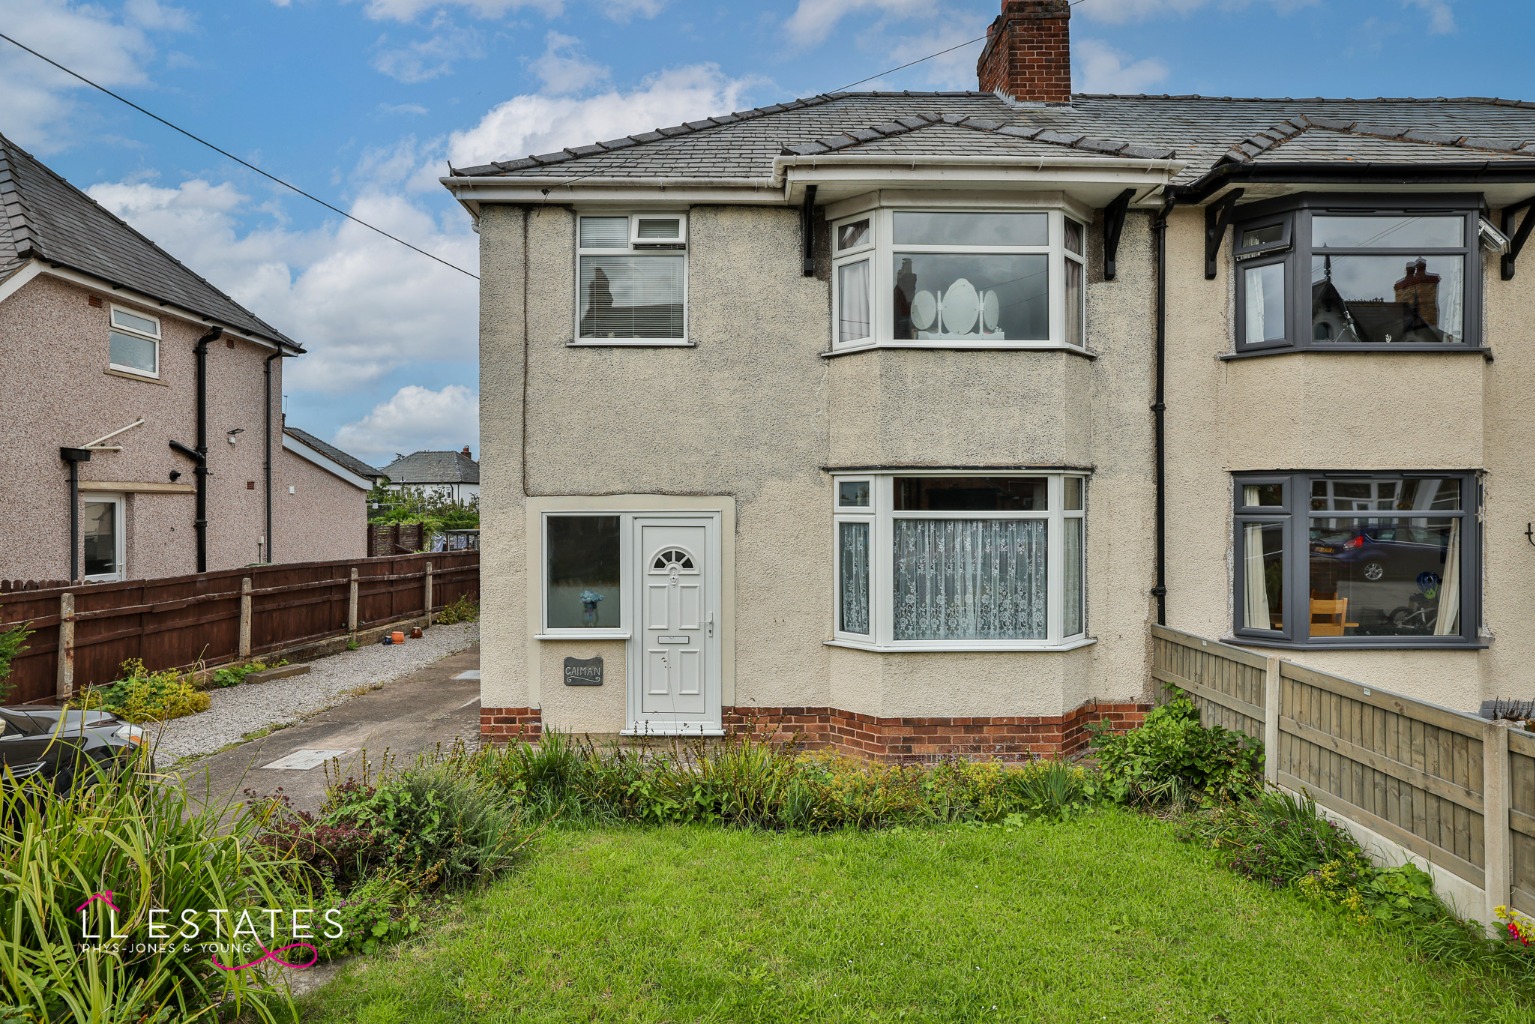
x: 351, y: 603
x: 1271, y: 684
x: 1496, y: 841
x: 64, y: 688
x: 245, y: 617
x: 429, y: 593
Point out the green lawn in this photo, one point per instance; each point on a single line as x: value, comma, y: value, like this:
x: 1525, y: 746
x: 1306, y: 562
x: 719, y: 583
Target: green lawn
x: 1107, y: 918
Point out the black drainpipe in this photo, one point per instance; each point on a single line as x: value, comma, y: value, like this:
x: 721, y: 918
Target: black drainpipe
x: 200, y: 524
x: 1159, y: 410
x: 74, y: 456
x: 267, y: 464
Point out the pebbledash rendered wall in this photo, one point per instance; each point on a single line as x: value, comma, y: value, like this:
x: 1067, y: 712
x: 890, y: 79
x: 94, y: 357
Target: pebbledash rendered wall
x: 745, y: 423
x: 323, y: 519
x: 61, y: 393
x: 1352, y: 411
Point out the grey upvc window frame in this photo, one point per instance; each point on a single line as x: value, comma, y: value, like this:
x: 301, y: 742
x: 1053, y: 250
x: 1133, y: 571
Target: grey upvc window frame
x: 1297, y: 251
x: 1296, y: 515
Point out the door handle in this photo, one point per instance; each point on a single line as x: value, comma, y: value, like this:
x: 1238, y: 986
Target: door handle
x: 710, y: 621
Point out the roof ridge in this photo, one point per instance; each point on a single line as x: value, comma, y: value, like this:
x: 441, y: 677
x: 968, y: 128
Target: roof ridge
x: 917, y: 122
x: 1488, y: 100
x: 1291, y: 128
x: 276, y: 335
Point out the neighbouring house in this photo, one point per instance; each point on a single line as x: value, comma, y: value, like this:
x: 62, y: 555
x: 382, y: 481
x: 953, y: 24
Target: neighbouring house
x: 897, y: 419
x: 142, y: 412
x: 454, y: 476
x: 321, y: 504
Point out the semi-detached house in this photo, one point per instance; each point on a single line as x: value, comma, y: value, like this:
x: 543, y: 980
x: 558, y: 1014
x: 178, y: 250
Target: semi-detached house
x: 898, y: 418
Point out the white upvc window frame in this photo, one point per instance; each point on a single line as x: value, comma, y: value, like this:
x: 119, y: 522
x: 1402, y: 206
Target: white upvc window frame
x: 881, y: 515
x: 620, y: 631
x: 681, y: 248
x: 155, y: 338
x: 120, y: 525
x: 881, y: 249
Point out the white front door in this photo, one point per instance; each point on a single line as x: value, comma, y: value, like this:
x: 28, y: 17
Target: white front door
x: 676, y: 638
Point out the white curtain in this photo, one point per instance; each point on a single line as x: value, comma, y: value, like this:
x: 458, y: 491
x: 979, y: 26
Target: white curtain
x: 1255, y: 594
x: 1449, y: 588
x: 970, y: 579
x: 853, y: 577
x: 1072, y: 620
x: 853, y: 301
x: 1256, y: 328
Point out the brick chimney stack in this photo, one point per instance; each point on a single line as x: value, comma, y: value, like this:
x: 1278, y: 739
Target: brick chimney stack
x: 1028, y: 52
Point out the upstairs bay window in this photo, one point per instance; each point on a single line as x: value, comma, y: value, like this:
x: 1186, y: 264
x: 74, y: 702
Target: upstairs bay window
x: 1335, y: 273
x: 631, y: 279
x: 958, y: 279
x: 960, y: 561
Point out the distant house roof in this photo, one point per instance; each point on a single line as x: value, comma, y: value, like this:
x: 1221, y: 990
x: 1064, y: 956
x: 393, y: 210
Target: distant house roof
x: 44, y: 217
x: 349, y: 462
x: 434, y: 468
x: 1200, y: 132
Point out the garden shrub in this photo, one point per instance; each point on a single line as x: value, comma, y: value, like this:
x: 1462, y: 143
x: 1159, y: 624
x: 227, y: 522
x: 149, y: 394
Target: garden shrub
x: 234, y: 675
x: 1170, y: 759
x: 145, y: 696
x: 138, y: 837
x: 12, y: 643
x: 379, y: 910
x: 465, y: 609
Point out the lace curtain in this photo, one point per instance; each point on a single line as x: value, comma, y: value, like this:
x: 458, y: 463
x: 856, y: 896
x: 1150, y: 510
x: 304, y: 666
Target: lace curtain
x: 970, y: 579
x: 853, y: 561
x: 853, y: 301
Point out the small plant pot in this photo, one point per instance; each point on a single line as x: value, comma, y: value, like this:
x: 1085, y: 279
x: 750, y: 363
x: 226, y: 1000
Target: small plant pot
x: 415, y: 633
x: 397, y: 637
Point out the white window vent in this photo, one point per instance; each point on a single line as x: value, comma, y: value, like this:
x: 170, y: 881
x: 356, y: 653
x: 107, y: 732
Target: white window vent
x: 658, y: 231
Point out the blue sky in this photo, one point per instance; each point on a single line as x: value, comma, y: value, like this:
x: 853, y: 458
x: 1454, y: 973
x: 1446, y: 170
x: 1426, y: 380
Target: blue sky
x: 363, y: 102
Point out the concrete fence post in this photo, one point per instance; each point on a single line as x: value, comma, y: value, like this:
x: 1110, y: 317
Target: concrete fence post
x: 64, y: 688
x: 1496, y: 840
x: 1271, y: 686
x: 245, y: 617
x: 351, y: 603
x: 429, y: 593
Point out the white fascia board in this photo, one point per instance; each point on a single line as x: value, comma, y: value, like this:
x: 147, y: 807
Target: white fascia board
x: 883, y: 169
x: 471, y: 191
x: 13, y: 284
x: 101, y: 284
x: 331, y: 466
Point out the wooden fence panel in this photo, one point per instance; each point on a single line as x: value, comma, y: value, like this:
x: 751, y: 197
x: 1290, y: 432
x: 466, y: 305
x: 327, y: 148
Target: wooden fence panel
x: 294, y: 603
x: 1226, y: 683
x: 455, y: 574
x: 1521, y: 814
x: 34, y: 671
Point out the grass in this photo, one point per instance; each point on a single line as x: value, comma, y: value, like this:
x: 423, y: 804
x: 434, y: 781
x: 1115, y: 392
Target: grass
x: 1102, y: 918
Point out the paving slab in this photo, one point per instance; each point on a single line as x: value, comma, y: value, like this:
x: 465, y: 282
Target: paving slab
x: 428, y: 709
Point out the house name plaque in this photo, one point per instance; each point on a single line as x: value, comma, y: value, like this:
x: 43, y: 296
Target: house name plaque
x: 583, y: 671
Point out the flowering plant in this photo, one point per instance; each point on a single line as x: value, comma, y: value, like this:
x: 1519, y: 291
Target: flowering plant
x: 1521, y: 929
x: 590, y: 597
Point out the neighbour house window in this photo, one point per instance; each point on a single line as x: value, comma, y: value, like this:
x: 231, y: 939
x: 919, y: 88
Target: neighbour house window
x: 1357, y: 558
x: 959, y: 561
x: 632, y: 279
x: 1329, y: 272
x: 583, y: 576
x: 958, y: 278
x: 103, y: 535
x: 134, y: 342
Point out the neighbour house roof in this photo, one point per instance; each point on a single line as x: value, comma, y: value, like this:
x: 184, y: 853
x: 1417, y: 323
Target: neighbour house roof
x: 44, y: 217
x: 348, y: 462
x: 433, y: 468
x: 1201, y: 132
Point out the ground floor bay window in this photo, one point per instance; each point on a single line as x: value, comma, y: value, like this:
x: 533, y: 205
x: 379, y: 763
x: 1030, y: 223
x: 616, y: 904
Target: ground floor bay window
x: 1357, y: 559
x: 960, y: 561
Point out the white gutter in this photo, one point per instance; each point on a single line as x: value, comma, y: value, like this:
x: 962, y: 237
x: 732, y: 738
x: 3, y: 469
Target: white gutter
x: 331, y: 466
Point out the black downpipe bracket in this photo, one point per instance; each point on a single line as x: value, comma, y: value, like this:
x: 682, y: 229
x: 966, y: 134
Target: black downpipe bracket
x: 200, y: 524
x: 1159, y: 411
x: 74, y: 456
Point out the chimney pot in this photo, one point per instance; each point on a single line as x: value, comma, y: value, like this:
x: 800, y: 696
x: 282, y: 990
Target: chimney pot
x: 466, y: 452
x: 1027, y: 56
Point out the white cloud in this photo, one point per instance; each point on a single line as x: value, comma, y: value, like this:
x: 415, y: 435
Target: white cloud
x: 564, y: 68
x: 413, y: 419
x: 952, y: 70
x: 402, y: 108
x: 814, y: 20
x: 406, y: 10
x: 1101, y: 68
x: 540, y: 124
x: 153, y: 14
x: 1120, y: 11
x: 626, y: 10
x: 1441, y: 16
x: 428, y: 58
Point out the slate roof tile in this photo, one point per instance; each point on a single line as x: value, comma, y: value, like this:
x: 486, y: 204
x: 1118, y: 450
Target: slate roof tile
x: 330, y: 451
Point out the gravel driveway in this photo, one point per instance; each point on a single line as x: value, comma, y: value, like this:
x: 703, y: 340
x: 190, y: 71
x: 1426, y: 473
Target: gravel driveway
x: 238, y: 710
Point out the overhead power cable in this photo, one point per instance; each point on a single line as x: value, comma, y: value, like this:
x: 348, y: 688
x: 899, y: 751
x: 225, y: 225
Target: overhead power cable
x: 243, y: 163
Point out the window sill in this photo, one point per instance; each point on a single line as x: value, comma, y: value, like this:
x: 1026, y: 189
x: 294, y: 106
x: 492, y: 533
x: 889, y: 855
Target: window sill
x: 951, y: 346
x: 113, y: 371
x: 962, y: 646
x: 1291, y: 350
x: 1402, y: 643
x: 630, y: 343
x: 585, y: 634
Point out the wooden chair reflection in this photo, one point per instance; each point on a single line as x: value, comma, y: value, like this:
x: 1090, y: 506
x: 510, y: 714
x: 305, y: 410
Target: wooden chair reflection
x: 1329, y: 616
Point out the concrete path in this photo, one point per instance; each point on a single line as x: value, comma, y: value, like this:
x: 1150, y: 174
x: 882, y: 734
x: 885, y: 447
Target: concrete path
x: 405, y: 717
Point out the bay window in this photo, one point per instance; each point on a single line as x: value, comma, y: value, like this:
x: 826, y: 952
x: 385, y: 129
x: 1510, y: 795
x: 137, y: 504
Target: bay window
x: 960, y: 561
x: 947, y: 278
x: 1357, y: 559
x: 631, y: 279
x: 1340, y: 273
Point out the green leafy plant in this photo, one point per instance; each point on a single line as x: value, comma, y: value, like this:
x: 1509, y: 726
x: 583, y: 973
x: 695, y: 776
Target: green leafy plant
x: 234, y: 675
x: 1172, y: 760
x: 12, y: 643
x: 434, y: 511
x: 145, y: 696
x: 383, y: 908
x: 465, y: 609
